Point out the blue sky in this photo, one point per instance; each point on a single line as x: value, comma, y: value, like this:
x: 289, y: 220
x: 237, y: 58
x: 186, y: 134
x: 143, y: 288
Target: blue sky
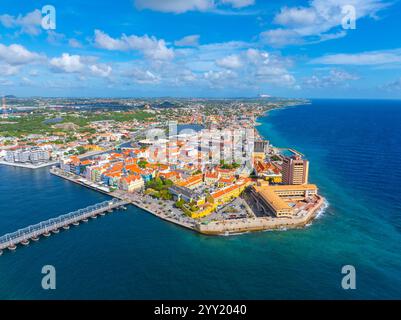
x: 202, y: 48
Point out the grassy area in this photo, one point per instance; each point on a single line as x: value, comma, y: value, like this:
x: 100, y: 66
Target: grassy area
x: 26, y: 125
x: 35, y: 124
x: 85, y: 119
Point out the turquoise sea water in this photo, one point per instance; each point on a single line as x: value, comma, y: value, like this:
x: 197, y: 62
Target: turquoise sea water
x: 355, y: 151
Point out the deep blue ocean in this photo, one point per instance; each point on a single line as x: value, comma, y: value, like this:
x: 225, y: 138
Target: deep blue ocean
x: 354, y: 147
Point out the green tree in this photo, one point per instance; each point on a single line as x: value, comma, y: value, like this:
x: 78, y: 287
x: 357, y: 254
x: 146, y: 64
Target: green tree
x: 81, y: 150
x: 142, y: 164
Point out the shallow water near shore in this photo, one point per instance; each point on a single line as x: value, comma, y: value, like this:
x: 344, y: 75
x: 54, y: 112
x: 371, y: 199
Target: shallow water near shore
x: 355, y: 149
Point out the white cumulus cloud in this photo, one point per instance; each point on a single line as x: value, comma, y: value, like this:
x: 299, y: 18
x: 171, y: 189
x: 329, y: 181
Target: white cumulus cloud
x: 101, y: 70
x: 230, y: 62
x: 29, y: 23
x: 67, y: 63
x: 151, y: 47
x: 16, y: 54
x: 316, y: 22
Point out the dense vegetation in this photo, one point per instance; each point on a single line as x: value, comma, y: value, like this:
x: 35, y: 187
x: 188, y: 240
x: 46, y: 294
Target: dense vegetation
x: 158, y: 188
x: 142, y: 164
x: 229, y: 166
x: 36, y: 122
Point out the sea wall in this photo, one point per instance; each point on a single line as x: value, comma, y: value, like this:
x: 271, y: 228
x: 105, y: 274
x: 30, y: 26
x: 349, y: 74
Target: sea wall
x: 258, y: 224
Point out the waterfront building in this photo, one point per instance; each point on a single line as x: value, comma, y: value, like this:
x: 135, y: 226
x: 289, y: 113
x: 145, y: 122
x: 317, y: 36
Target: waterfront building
x: 96, y: 174
x: 112, y: 178
x: 132, y: 183
x: 280, y: 200
x: 30, y: 155
x: 295, y: 170
x: 74, y: 164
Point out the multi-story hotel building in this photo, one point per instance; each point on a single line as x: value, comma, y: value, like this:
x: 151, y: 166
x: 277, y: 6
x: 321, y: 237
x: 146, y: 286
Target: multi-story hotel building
x: 295, y: 170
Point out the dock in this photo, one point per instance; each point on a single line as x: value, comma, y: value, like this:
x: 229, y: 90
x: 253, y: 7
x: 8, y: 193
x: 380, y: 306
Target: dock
x: 46, y: 228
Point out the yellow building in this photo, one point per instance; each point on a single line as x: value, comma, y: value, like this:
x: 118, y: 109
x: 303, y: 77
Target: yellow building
x: 259, y: 151
x: 273, y: 177
x: 228, y: 193
x: 274, y: 197
x: 258, y: 156
x: 205, y: 211
x: 93, y: 147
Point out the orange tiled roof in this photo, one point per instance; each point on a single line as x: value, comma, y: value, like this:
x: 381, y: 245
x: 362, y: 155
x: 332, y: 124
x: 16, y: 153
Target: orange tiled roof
x: 114, y: 174
x: 131, y: 178
x: 212, y: 175
x: 169, y: 175
x: 86, y: 162
x: 133, y: 168
x: 229, y: 189
x: 157, y: 166
x: 231, y: 179
x: 191, y: 180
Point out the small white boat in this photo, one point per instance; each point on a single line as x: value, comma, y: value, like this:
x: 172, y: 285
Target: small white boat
x: 1, y: 253
x: 56, y: 231
x: 47, y: 234
x: 12, y: 248
x: 76, y: 223
x: 35, y: 239
x: 25, y: 242
x: 66, y: 227
x: 85, y: 220
x: 94, y: 217
x: 103, y: 213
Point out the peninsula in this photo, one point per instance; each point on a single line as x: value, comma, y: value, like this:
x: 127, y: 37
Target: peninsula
x: 198, y: 163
